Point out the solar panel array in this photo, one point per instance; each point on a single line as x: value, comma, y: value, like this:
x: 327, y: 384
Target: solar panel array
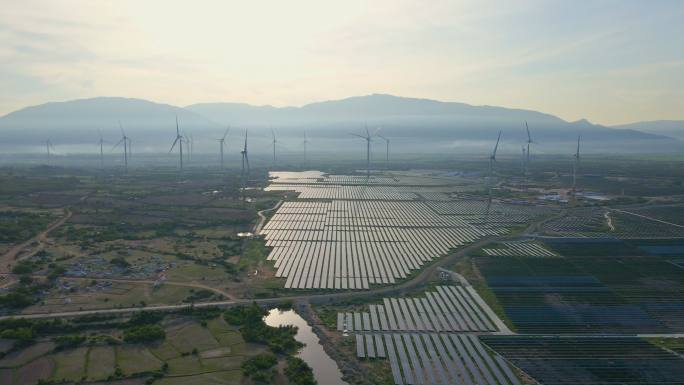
x: 346, y: 236
x: 436, y: 358
x: 450, y: 308
x: 602, y: 222
x: 519, y: 249
x: 426, y: 339
x: 590, y: 360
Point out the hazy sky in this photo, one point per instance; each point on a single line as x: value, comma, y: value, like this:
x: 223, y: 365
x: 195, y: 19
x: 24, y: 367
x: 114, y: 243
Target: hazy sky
x: 609, y: 61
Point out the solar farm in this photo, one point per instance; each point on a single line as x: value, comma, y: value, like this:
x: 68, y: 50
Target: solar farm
x: 590, y: 360
x: 599, y: 222
x: 343, y: 233
x: 567, y: 298
x: 430, y: 339
x: 635, y: 294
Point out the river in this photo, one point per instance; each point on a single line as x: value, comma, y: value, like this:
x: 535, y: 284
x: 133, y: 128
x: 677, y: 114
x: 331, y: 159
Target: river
x: 324, y: 368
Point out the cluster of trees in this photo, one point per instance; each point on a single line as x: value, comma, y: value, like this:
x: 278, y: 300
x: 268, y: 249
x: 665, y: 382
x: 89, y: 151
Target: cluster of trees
x: 68, y: 341
x: 120, y: 261
x: 144, y: 327
x: 298, y: 372
x: 258, y: 367
x: 199, y: 295
x: 253, y: 329
x: 144, y: 334
x: 16, y: 226
x: 28, y: 291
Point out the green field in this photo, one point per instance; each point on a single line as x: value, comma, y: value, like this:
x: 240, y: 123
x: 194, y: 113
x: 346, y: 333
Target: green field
x: 210, y: 354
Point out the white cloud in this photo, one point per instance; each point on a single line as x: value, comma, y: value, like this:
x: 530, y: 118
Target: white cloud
x: 572, y: 60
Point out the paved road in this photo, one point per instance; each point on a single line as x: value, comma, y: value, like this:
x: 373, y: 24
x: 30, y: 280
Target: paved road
x: 419, y: 279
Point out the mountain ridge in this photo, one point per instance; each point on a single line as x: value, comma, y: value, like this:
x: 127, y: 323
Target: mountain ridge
x: 432, y: 124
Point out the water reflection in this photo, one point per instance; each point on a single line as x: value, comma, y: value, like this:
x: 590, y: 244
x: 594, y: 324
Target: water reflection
x: 324, y: 368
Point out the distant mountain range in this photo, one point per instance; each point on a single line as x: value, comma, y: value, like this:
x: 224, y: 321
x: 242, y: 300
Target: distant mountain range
x: 414, y: 125
x: 671, y: 128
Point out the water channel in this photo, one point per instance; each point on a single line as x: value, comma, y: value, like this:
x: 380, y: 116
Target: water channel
x: 324, y: 368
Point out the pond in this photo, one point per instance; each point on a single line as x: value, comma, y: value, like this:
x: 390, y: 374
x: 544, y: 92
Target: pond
x: 324, y: 368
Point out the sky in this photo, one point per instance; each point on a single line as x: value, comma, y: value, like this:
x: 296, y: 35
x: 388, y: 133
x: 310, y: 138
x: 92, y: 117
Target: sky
x: 611, y: 62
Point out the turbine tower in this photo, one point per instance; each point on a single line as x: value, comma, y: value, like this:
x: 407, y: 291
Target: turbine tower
x: 575, y: 167
x: 274, y: 146
x: 306, y: 141
x: 48, y: 147
x: 522, y: 162
x: 191, y: 146
x: 368, y: 140
x: 125, y: 140
x: 387, y: 142
x: 222, y: 142
x: 244, y: 176
x: 101, y: 151
x: 179, y: 140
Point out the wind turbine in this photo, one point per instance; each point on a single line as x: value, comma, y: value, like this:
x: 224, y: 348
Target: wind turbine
x: 368, y: 140
x: 305, y: 142
x: 274, y: 146
x: 492, y: 160
x: 179, y: 140
x: 101, y: 150
x: 48, y: 147
x: 245, y: 162
x: 529, y: 141
x: 222, y: 142
x: 125, y: 140
x: 575, y: 166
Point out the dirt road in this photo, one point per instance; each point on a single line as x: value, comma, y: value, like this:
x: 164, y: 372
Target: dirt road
x: 8, y: 259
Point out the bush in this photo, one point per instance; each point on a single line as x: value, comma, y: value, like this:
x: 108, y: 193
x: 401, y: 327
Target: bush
x: 120, y: 261
x: 144, y: 334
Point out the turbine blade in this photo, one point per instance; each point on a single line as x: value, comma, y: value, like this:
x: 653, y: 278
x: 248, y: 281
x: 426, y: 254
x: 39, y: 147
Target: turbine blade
x: 226, y: 133
x: 174, y: 143
x: 496, y: 146
x: 117, y: 144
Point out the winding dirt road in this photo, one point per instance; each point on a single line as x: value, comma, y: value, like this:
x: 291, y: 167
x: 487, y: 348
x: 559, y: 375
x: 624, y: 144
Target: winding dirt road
x: 8, y: 259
